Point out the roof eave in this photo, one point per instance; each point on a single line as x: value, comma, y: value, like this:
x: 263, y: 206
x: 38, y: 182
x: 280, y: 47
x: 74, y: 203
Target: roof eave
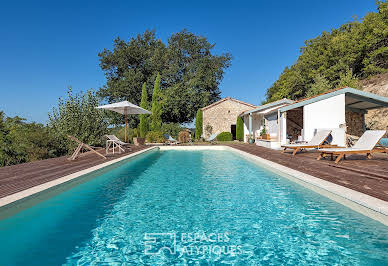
x: 382, y: 100
x: 268, y: 105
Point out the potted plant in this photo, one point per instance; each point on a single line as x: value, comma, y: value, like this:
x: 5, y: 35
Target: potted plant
x: 251, y: 139
x: 136, y: 139
x: 264, y: 134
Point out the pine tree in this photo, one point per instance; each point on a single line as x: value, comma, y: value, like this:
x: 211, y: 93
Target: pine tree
x: 156, y: 116
x: 144, y: 119
x: 198, y: 124
x: 240, y: 129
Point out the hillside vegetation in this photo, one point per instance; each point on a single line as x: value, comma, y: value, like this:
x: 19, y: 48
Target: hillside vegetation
x: 339, y: 58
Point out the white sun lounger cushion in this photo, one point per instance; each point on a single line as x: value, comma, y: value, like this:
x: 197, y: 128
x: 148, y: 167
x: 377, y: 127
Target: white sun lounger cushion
x: 365, y: 143
x: 317, y: 140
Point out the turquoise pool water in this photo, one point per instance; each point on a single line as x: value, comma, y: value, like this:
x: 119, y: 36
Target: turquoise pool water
x: 384, y: 142
x: 218, y: 207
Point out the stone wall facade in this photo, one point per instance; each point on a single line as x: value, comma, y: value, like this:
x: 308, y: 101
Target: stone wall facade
x: 221, y: 115
x: 355, y: 123
x: 377, y: 119
x: 294, y: 123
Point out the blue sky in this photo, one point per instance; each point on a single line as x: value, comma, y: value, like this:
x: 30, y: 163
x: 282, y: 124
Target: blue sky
x: 47, y: 46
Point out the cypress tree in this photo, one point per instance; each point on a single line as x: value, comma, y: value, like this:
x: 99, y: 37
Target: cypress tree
x: 198, y: 124
x: 144, y: 123
x: 156, y: 116
x: 240, y: 129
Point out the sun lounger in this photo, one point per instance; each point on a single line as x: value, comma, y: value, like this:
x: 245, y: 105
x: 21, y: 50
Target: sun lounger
x: 366, y: 144
x: 81, y: 145
x: 212, y: 138
x: 115, y: 142
x: 318, y: 141
x: 170, y: 140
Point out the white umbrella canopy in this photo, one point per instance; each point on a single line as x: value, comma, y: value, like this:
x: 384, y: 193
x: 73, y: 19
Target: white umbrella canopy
x: 125, y: 108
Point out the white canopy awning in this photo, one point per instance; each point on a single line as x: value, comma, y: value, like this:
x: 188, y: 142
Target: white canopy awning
x: 125, y: 108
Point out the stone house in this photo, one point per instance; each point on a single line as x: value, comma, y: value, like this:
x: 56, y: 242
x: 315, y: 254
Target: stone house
x: 221, y: 116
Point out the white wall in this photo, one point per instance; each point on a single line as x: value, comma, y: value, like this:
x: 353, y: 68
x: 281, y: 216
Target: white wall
x: 272, y: 125
x: 256, y: 125
x: 246, y: 127
x: 328, y: 113
x: 283, y: 128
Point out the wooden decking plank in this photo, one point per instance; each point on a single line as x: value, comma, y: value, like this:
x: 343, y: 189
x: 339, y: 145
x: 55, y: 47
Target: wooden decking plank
x: 16, y: 178
x: 20, y: 177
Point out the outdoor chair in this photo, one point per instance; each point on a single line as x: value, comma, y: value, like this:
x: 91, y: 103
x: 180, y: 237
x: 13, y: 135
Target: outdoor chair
x: 77, y: 151
x: 318, y: 141
x: 170, y: 140
x: 212, y: 138
x: 115, y: 142
x: 367, y: 144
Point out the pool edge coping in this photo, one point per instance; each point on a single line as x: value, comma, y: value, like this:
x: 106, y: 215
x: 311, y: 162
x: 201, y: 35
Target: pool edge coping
x: 367, y: 205
x: 13, y: 198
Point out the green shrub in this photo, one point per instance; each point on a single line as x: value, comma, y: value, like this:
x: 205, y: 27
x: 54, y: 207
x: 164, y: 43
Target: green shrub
x: 198, y: 124
x: 155, y: 137
x: 240, y: 129
x: 120, y: 133
x: 156, y: 109
x: 225, y: 136
x: 144, y: 119
x: 172, y: 129
x: 77, y: 116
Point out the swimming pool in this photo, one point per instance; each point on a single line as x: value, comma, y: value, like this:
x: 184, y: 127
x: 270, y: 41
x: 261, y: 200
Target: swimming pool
x: 204, y: 206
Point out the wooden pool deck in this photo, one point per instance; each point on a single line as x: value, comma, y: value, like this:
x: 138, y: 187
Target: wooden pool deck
x: 357, y: 172
x: 20, y: 177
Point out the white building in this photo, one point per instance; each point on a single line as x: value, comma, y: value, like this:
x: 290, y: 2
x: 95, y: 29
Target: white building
x: 264, y: 116
x: 341, y: 110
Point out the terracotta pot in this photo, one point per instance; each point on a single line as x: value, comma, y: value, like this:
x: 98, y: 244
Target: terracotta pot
x: 265, y: 136
x: 138, y: 141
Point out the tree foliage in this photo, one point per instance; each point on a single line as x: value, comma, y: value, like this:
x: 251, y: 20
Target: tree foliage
x: 190, y: 72
x: 144, y: 119
x: 155, y: 137
x: 172, y: 129
x: 239, y: 129
x: 156, y: 116
x: 24, y: 142
x: 358, y: 47
x: 198, y: 124
x: 9, y: 152
x: 77, y: 116
x: 320, y: 85
x: 347, y: 79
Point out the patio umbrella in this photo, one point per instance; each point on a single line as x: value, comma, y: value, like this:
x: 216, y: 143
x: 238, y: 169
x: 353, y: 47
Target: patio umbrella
x: 125, y: 108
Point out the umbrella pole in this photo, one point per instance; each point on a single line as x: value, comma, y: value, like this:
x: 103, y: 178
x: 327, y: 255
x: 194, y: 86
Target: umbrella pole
x: 125, y: 128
